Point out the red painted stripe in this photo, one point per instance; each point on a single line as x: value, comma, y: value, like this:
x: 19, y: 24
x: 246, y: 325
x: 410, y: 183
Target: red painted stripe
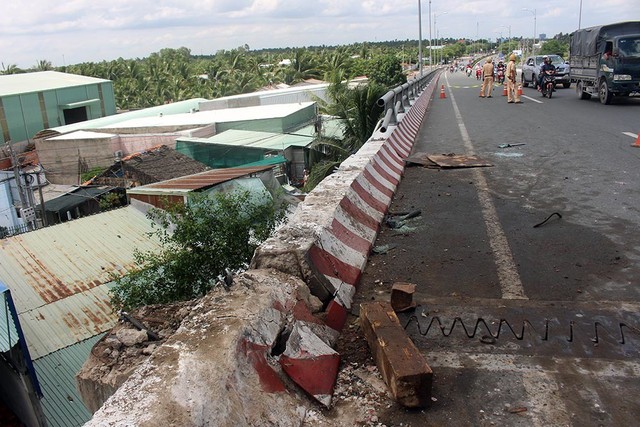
x: 391, y: 159
x: 386, y: 175
x: 350, y: 238
x: 336, y: 316
x: 377, y: 184
x: 359, y: 215
x: 256, y: 354
x: 315, y: 374
x: 368, y: 198
x: 328, y: 265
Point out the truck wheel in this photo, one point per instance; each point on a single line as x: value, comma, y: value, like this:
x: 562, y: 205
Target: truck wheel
x: 566, y: 85
x: 581, y: 92
x: 604, y: 93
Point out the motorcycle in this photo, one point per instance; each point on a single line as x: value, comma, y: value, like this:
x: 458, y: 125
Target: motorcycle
x: 478, y: 74
x: 548, y: 84
x: 500, y: 76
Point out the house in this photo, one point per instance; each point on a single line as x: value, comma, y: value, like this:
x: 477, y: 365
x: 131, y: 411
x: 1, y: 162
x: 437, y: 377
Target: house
x: 146, y: 167
x: 59, y: 279
x: 31, y: 102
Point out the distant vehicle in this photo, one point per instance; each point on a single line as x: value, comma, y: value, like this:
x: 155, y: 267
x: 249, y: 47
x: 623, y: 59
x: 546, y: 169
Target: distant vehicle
x: 605, y: 61
x: 531, y: 70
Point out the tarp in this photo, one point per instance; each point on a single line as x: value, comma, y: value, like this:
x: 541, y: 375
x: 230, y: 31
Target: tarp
x: 76, y: 198
x: 590, y: 41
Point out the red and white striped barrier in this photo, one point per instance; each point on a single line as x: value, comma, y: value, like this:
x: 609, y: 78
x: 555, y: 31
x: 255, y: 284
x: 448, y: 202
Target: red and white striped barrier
x: 330, y: 237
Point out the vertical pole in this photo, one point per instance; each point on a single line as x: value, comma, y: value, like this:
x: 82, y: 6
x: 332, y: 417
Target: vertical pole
x: 580, y: 16
x: 44, y: 212
x: 430, y: 40
x: 533, y: 46
x: 16, y: 173
x: 420, y: 36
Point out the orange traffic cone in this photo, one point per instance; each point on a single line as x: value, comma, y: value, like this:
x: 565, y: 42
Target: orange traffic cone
x: 519, y: 90
x: 504, y: 90
x: 637, y: 144
x: 442, y: 94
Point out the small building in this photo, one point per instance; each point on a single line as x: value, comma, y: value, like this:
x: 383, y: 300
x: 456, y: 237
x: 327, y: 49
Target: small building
x: 149, y: 166
x: 31, y: 102
x: 257, y: 179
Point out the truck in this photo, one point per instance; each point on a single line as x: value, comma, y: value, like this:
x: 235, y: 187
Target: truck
x: 605, y: 61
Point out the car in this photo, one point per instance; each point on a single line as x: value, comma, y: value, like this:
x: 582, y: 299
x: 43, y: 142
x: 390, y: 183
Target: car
x: 531, y: 70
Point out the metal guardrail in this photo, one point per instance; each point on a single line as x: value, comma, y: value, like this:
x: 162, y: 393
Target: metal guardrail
x: 397, y: 100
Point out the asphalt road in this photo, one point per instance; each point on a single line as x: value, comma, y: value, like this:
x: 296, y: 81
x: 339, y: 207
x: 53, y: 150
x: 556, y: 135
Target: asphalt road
x: 522, y: 325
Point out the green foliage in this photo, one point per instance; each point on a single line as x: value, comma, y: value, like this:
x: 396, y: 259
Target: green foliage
x: 555, y: 47
x: 91, y: 173
x: 110, y: 201
x: 199, y: 241
x: 386, y: 70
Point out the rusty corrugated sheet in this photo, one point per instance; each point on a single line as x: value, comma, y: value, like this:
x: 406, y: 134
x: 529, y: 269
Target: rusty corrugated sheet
x: 205, y: 179
x: 57, y: 274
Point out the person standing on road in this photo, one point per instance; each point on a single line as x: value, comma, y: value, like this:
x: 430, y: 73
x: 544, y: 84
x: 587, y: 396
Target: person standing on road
x: 487, y: 79
x: 512, y: 93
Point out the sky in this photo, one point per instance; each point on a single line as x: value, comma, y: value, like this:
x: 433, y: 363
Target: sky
x: 74, y: 31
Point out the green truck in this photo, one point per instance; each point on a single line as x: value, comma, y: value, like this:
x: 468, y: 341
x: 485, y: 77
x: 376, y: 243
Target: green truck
x: 605, y: 61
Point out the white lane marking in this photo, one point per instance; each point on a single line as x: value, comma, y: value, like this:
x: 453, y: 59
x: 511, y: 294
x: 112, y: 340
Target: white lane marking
x: 631, y: 134
x: 510, y: 283
x: 532, y: 99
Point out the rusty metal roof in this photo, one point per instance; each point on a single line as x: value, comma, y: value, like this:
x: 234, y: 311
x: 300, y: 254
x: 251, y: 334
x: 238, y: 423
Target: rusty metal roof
x: 199, y: 181
x: 58, y: 275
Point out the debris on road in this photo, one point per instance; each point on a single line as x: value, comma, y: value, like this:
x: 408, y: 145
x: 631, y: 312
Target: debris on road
x: 402, y: 296
x: 548, y: 218
x: 383, y: 249
x: 510, y: 145
x: 451, y: 161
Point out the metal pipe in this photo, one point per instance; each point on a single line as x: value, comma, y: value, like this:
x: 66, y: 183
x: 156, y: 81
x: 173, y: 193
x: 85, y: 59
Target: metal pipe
x: 386, y: 121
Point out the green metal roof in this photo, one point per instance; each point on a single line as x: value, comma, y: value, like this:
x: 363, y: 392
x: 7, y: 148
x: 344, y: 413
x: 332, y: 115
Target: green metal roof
x: 8, y: 331
x: 56, y: 372
x: 273, y: 160
x: 252, y: 139
x: 14, y: 84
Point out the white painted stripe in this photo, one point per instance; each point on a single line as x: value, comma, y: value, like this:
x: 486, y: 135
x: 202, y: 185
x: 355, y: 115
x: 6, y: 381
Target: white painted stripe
x: 332, y: 245
x: 545, y: 408
x: 510, y: 283
x: 384, y: 166
x: 495, y: 362
x: 631, y: 134
x: 377, y: 194
x: 364, y: 206
x: 354, y: 226
x: 379, y: 178
x: 532, y: 99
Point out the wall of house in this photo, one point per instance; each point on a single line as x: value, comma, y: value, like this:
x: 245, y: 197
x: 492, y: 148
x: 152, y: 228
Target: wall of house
x: 24, y: 115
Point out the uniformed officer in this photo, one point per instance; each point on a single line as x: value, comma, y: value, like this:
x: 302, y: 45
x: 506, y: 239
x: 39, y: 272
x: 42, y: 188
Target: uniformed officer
x: 487, y: 79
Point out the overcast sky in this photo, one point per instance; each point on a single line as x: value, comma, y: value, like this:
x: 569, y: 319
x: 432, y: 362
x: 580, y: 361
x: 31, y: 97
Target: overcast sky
x: 74, y: 31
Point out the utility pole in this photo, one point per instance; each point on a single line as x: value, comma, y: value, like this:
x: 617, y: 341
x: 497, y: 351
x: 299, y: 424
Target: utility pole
x: 26, y: 211
x: 420, y: 36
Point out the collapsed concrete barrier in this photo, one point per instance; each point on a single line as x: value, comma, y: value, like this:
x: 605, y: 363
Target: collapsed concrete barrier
x: 327, y: 241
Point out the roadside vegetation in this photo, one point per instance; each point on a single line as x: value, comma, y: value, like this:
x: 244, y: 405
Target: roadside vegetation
x: 201, y: 243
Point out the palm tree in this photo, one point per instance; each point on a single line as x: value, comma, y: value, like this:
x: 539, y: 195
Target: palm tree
x: 11, y: 69
x: 43, y: 65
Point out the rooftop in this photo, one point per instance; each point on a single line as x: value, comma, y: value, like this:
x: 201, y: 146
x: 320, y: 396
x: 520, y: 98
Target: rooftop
x: 13, y: 84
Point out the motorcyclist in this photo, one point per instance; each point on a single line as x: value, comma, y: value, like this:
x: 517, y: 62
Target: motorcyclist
x: 547, y: 66
x: 500, y: 69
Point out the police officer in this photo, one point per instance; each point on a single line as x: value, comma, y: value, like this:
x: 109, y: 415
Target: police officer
x: 512, y: 93
x: 487, y: 76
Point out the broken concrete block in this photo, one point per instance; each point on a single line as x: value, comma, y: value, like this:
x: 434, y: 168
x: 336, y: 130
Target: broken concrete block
x: 311, y: 363
x: 131, y: 337
x: 402, y: 296
x: 402, y: 366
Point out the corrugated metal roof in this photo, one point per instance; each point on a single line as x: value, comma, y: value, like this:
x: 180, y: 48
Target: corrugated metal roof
x: 56, y: 372
x: 57, y: 274
x: 14, y: 84
x: 217, y: 116
x: 199, y: 181
x: 115, y: 119
x: 245, y: 138
x: 331, y: 128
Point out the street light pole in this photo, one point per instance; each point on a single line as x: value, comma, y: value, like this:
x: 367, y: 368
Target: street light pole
x: 580, y: 16
x: 420, y: 36
x: 430, y: 40
x: 435, y: 18
x: 533, y: 41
